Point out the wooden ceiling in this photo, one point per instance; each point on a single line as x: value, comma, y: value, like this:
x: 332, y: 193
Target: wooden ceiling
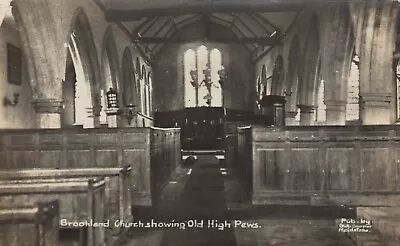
x: 256, y: 24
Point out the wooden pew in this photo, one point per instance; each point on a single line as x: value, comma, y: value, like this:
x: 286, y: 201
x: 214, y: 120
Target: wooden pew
x: 81, y: 200
x: 118, y: 188
x: 36, y: 225
x: 89, y: 148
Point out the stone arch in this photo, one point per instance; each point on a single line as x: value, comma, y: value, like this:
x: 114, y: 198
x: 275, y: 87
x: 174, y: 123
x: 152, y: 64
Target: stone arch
x: 110, y: 56
x: 80, y: 29
x: 129, y: 79
x: 309, y: 71
x: 277, y: 76
x: 110, y: 70
x: 41, y: 45
x: 293, y: 74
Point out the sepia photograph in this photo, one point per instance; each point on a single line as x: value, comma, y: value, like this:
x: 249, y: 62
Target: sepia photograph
x: 199, y: 123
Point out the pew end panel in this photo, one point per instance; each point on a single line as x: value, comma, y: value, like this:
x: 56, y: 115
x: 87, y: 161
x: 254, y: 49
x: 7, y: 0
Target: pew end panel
x: 352, y: 166
x: 117, y: 187
x: 93, y: 148
x: 81, y: 200
x: 37, y: 225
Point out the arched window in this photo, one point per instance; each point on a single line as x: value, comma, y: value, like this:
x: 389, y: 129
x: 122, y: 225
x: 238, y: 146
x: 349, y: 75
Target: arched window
x: 397, y: 75
x: 143, y: 89
x: 264, y: 81
x: 320, y: 113
x: 396, y: 65
x: 277, y: 77
x: 150, y: 94
x: 321, y: 110
x: 353, y: 91
x: 201, y: 77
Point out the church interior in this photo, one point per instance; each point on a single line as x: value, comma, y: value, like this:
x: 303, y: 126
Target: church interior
x: 207, y: 122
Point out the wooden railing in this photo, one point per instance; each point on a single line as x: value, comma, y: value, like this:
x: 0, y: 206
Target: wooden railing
x: 323, y: 165
x: 118, y: 147
x: 144, y: 120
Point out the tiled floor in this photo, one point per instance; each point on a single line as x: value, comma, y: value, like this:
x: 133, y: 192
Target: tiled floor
x: 212, y: 196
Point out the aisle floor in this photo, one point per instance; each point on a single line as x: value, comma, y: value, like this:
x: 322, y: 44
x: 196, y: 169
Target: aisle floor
x: 206, y: 205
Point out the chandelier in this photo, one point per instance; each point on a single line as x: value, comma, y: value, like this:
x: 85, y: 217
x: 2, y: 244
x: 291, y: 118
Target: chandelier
x: 222, y: 75
x: 207, y: 81
x: 194, y: 79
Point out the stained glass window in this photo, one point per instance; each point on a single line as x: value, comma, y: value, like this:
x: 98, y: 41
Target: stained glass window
x: 201, y: 79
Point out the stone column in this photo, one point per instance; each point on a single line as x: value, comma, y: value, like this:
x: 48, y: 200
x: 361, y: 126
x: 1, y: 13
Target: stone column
x: 112, y: 118
x: 335, y: 112
x: 336, y: 63
x: 44, y: 58
x: 376, y: 41
x: 376, y: 109
x: 93, y: 118
x: 48, y: 113
x: 307, y: 115
x: 290, y: 111
x: 291, y: 118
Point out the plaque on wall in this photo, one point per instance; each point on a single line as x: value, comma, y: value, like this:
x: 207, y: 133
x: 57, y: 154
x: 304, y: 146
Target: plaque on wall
x: 14, y: 64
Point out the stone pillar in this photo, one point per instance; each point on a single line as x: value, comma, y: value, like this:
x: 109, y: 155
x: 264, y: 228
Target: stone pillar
x: 290, y: 118
x: 45, y: 58
x: 48, y: 113
x: 112, y: 121
x: 112, y: 118
x: 376, y: 41
x: 290, y: 111
x: 307, y: 116
x: 336, y: 63
x: 335, y: 112
x: 375, y: 109
x: 4, y: 7
x: 93, y: 118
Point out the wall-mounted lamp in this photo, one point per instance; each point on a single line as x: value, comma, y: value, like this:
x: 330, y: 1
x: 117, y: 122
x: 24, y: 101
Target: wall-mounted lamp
x: 7, y: 102
x: 112, y: 99
x: 128, y: 112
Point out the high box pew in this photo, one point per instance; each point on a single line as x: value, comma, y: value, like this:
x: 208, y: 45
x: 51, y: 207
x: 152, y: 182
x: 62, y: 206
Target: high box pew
x: 117, y: 187
x: 81, y: 200
x: 36, y: 225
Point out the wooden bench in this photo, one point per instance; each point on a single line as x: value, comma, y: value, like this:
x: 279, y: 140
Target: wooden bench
x: 118, y: 188
x: 82, y: 203
x: 36, y: 225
